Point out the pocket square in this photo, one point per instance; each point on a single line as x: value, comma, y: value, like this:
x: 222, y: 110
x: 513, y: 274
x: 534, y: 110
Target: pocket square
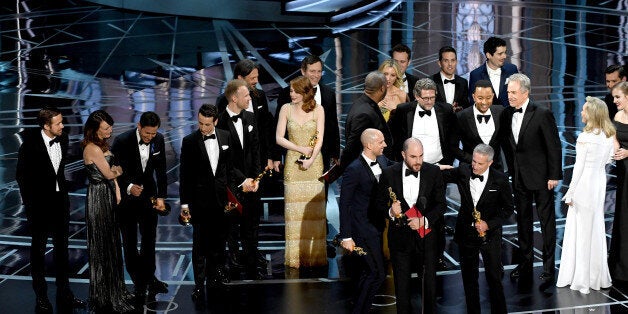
x: 259, y: 107
x: 157, y: 153
x: 250, y: 128
x: 225, y: 147
x: 492, y: 190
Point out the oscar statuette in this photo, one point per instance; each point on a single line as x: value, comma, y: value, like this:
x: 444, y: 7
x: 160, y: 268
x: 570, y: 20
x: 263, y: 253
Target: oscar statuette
x: 400, y: 219
x: 161, y: 211
x: 477, y: 217
x: 311, y: 144
x: 358, y: 250
x: 184, y: 217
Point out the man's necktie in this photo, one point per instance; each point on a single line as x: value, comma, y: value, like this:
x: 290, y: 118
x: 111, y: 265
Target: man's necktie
x: 485, y: 116
x: 412, y: 173
x: 425, y: 112
x: 54, y: 140
x: 209, y: 137
x: 446, y: 81
x: 477, y: 176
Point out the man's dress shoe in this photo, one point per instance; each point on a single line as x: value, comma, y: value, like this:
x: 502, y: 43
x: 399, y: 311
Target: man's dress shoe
x: 43, y: 305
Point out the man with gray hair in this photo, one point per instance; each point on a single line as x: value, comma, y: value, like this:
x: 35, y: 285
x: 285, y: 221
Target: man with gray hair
x: 364, y: 114
x: 533, y: 155
x: 485, y: 203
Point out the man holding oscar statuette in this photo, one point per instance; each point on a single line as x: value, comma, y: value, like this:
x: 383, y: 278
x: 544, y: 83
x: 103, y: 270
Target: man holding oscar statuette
x: 412, y: 194
x: 485, y: 202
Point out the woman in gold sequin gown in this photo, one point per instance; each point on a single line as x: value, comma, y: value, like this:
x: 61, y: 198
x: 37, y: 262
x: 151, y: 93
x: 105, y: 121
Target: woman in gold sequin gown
x: 304, y: 194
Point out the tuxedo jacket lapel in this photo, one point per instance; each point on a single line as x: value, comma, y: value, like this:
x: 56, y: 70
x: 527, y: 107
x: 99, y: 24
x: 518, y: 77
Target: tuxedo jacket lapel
x: 367, y: 169
x: 527, y: 116
x: 473, y: 127
x: 410, y: 119
x: 204, y: 155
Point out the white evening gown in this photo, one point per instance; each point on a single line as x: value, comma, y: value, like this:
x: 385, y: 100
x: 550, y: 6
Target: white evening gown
x: 583, y: 262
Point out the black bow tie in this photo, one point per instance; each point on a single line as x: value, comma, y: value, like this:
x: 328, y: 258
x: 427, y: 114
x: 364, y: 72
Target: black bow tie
x: 405, y: 78
x: 236, y: 117
x: 425, y: 112
x: 209, y: 137
x: 412, y: 173
x: 54, y: 140
x: 520, y: 110
x: 446, y: 81
x: 485, y: 116
x: 373, y: 163
x: 477, y: 176
x: 141, y: 142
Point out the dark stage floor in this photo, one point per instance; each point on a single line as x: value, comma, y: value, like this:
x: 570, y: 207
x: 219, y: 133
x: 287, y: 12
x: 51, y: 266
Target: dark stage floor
x: 82, y: 57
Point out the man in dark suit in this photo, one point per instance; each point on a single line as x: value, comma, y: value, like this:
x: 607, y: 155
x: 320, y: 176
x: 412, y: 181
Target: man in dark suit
x: 243, y: 132
x: 427, y: 120
x: 533, y: 155
x: 364, y: 114
x: 486, y: 191
x: 479, y: 124
x: 450, y: 88
x: 402, y: 54
x: 496, y: 70
x: 248, y: 71
x: 205, y: 172
x: 418, y: 187
x: 312, y: 68
x: 40, y: 175
x: 142, y: 156
x: 613, y: 74
x: 360, y: 223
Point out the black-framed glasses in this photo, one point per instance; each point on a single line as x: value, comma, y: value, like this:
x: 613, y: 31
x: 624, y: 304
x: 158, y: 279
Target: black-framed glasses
x: 433, y: 98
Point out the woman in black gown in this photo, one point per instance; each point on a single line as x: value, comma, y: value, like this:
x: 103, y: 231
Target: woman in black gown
x: 618, y: 257
x: 107, y: 290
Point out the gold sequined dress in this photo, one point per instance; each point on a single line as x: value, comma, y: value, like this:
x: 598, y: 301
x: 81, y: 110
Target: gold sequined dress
x: 305, y: 201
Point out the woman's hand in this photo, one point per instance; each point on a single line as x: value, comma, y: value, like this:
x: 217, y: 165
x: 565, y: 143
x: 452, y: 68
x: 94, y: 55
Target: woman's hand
x: 117, y: 170
x: 306, y: 150
x: 306, y: 163
x: 620, y: 154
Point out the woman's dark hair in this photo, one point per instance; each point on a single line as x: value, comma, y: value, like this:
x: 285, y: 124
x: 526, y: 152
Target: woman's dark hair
x: 90, y: 131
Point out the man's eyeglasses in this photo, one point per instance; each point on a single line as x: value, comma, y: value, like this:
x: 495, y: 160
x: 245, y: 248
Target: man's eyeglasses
x: 433, y: 98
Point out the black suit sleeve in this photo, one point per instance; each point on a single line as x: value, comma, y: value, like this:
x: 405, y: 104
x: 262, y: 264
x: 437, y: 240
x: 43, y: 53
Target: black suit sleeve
x: 552, y: 146
x: 353, y: 145
x: 331, y: 145
x: 436, y: 198
x: 21, y: 174
x: 186, y: 169
x: 160, y: 166
x: 119, y: 149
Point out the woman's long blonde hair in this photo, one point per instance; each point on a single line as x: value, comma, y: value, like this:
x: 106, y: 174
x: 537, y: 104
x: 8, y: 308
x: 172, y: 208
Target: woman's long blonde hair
x: 390, y: 63
x: 597, y: 117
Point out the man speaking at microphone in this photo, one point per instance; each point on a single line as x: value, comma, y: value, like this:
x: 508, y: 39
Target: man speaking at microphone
x: 412, y: 194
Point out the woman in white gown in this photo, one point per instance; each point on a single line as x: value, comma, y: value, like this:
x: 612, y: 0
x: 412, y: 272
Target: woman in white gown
x: 583, y: 262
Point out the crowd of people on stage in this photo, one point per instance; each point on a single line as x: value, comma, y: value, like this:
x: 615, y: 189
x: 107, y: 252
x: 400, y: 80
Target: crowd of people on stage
x: 403, y: 135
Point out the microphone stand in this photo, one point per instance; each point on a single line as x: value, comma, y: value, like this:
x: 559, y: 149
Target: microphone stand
x: 422, y: 204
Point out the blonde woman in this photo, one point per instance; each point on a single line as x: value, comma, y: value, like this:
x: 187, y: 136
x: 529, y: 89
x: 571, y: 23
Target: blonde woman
x: 583, y: 262
x: 394, y: 94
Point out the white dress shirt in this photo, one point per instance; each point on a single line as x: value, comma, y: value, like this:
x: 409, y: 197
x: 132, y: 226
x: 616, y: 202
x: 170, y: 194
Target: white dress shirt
x: 477, y: 187
x: 517, y: 118
x: 410, y: 186
x: 426, y: 129
x: 495, y: 77
x: 376, y: 169
x: 404, y: 84
x: 238, y: 126
x: 450, y: 89
x: 144, y: 150
x: 485, y: 129
x: 211, y: 146
x: 317, y: 95
x: 54, y: 152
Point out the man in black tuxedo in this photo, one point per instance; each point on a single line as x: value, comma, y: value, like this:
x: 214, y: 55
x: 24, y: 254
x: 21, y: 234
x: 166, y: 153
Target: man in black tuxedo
x: 402, y: 53
x: 487, y: 191
x: 364, y: 114
x: 360, y: 223
x: 205, y: 172
x: 243, y: 132
x: 479, y: 124
x: 40, y: 175
x: 418, y: 187
x: 248, y: 71
x: 142, y: 156
x: 450, y: 88
x: 429, y: 121
x: 613, y: 74
x: 495, y: 69
x: 312, y: 68
x: 533, y: 155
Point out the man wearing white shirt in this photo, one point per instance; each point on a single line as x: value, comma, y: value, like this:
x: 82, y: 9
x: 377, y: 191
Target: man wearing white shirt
x: 451, y: 88
x: 495, y: 70
x: 534, y: 157
x: 485, y: 191
x: 40, y: 174
x: 479, y: 124
x: 420, y: 192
